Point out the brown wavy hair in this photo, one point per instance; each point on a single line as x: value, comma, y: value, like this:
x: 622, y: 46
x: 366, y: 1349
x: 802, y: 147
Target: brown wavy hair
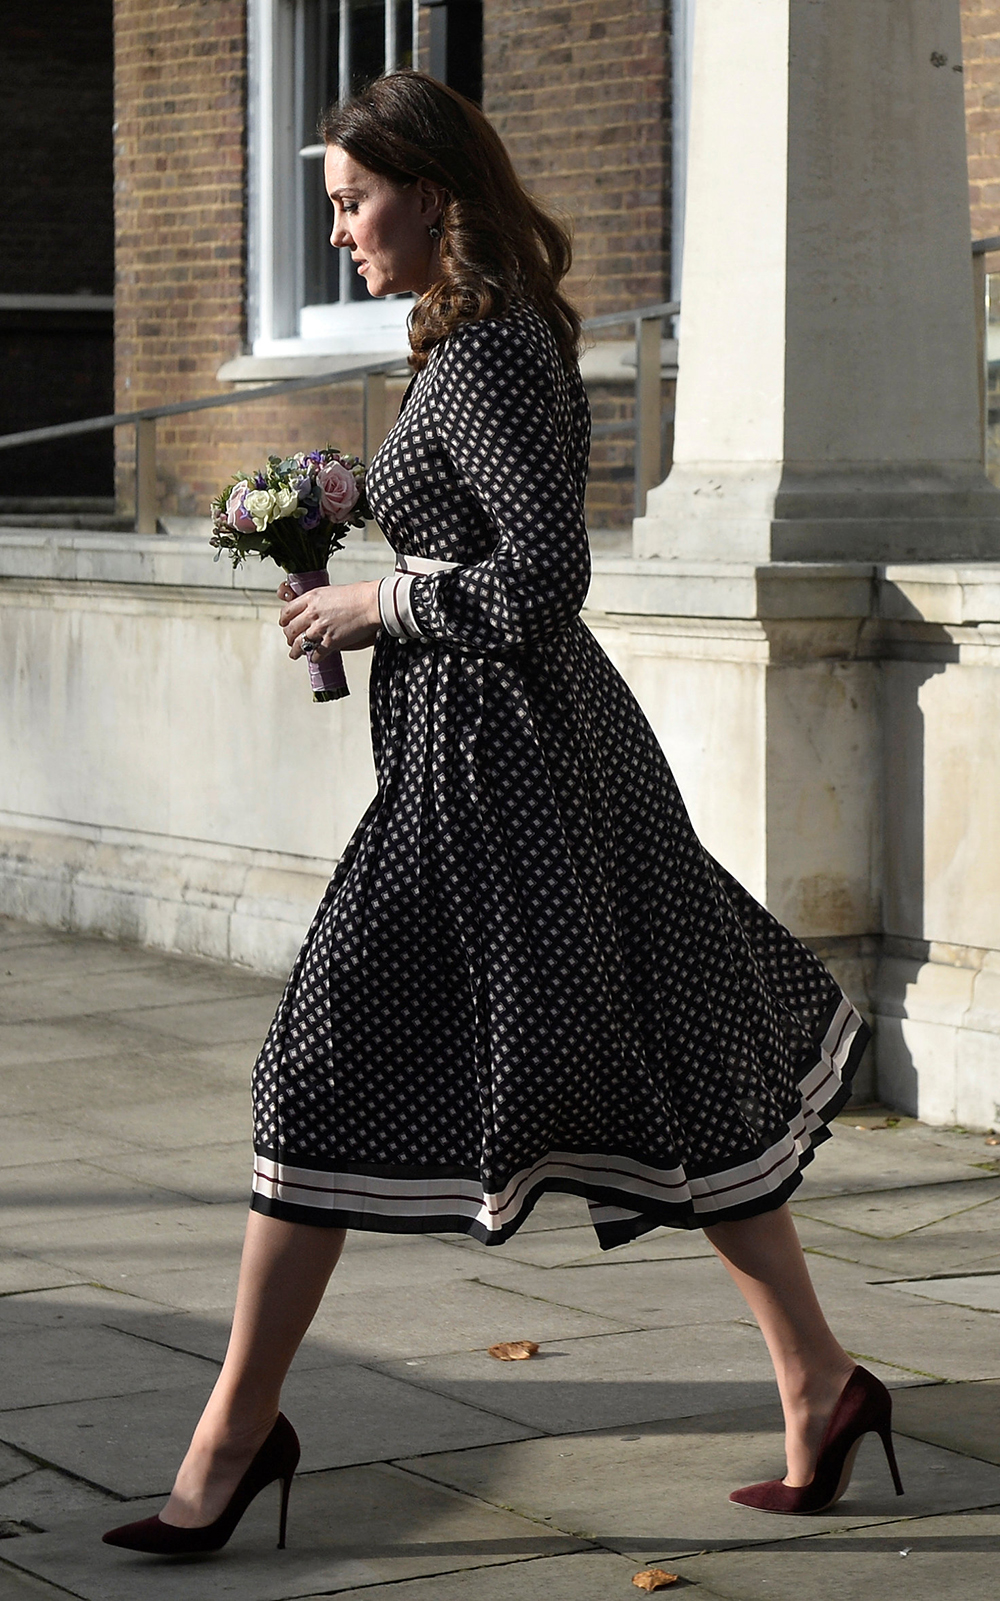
x: 498, y: 246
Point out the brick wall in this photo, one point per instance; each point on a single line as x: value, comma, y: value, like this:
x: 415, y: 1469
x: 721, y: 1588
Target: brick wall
x: 580, y: 92
x: 180, y: 176
x: 981, y: 56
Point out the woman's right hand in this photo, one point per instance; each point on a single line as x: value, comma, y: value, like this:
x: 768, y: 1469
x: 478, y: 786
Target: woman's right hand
x: 342, y: 616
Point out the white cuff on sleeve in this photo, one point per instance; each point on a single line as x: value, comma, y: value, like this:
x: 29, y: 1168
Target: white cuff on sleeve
x: 394, y: 606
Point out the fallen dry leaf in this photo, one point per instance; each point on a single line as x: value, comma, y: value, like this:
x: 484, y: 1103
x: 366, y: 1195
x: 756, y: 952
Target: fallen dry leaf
x: 653, y: 1579
x: 513, y: 1350
x: 993, y: 1141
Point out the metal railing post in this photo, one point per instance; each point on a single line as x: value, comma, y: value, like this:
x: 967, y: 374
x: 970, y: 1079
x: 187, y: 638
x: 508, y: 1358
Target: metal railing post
x: 376, y: 422
x: 145, y: 475
x: 648, y: 435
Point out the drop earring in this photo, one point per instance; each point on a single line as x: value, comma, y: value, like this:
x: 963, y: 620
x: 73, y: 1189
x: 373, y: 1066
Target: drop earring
x: 434, y: 231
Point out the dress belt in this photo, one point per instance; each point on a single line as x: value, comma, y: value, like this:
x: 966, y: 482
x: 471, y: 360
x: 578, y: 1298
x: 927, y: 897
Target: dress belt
x: 423, y: 564
x: 394, y: 594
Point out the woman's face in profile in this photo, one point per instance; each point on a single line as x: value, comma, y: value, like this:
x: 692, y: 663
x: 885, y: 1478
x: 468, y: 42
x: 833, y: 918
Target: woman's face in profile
x: 383, y: 224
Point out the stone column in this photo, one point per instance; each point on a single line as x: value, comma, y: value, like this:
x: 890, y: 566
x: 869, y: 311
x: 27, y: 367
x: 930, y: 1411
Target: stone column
x: 818, y: 652
x: 827, y: 406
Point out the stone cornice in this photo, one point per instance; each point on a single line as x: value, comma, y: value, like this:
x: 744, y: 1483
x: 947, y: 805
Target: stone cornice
x: 945, y: 594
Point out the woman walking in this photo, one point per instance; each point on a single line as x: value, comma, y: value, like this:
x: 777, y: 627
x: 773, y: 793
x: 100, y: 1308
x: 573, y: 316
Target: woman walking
x: 526, y: 973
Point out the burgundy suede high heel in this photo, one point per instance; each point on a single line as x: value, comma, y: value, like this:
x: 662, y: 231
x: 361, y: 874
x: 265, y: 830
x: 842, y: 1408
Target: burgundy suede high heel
x: 865, y: 1407
x: 277, y: 1458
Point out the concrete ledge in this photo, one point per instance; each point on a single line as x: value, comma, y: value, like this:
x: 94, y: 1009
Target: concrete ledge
x: 943, y: 593
x: 235, y: 905
x: 132, y: 559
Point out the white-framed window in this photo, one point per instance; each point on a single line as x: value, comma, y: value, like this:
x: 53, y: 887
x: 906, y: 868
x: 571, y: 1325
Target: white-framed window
x: 304, y: 297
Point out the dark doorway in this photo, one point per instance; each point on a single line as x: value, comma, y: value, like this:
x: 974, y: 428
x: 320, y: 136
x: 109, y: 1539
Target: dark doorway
x: 57, y: 248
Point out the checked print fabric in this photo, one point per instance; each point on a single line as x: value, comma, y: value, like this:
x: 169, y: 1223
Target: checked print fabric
x: 527, y: 973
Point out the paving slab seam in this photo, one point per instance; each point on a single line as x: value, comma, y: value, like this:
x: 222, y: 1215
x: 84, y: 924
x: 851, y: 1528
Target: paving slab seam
x: 542, y: 1522
x: 869, y: 1267
x: 163, y: 1345
x: 901, y: 1189
x: 387, y: 1370
x: 803, y: 1208
x: 63, y: 1472
x: 73, y: 1284
x: 967, y: 1306
x: 918, y: 1373
x: 114, y: 1013
x: 728, y: 1547
x: 43, y: 1406
x: 608, y: 1334
x: 544, y: 1300
x: 449, y: 1573
x: 809, y: 1535
x: 382, y: 1370
x: 58, y: 1589
x: 892, y: 1239
x: 933, y: 1278
x: 628, y: 1328
x: 17, y: 1477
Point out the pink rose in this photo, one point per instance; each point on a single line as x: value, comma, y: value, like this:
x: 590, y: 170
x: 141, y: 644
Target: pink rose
x: 237, y: 515
x: 338, y: 490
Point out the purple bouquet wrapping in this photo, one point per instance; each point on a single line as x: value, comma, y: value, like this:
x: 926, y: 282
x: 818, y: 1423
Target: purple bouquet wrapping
x: 297, y: 512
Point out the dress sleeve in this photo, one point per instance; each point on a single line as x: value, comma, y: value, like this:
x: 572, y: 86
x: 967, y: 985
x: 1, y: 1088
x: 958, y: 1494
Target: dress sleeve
x: 497, y: 405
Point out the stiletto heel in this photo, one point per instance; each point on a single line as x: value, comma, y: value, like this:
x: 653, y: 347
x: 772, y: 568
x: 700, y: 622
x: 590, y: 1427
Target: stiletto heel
x: 890, y: 1455
x: 865, y: 1407
x: 277, y: 1458
x: 286, y: 1490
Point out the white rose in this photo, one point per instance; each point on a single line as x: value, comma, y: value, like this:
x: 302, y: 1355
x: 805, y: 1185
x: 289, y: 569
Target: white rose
x: 286, y: 501
x: 259, y: 504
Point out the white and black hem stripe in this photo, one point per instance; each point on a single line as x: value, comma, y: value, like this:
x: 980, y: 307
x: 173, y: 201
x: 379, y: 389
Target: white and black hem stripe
x: 627, y: 1198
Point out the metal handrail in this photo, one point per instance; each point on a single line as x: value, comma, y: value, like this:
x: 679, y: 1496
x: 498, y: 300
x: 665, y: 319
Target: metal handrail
x: 648, y: 323
x: 609, y: 319
x: 646, y: 319
x: 119, y: 419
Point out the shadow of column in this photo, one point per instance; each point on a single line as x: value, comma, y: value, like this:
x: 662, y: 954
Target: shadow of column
x: 913, y: 651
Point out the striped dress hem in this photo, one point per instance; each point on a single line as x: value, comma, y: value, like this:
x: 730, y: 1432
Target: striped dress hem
x: 626, y: 1197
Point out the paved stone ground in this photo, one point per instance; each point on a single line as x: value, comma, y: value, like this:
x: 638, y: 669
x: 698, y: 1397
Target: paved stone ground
x: 431, y: 1472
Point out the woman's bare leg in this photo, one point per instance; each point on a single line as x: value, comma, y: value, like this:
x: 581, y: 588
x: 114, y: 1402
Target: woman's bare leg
x: 765, y: 1259
x: 283, y: 1273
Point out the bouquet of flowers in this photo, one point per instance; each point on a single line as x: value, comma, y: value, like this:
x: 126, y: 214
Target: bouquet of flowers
x: 296, y: 511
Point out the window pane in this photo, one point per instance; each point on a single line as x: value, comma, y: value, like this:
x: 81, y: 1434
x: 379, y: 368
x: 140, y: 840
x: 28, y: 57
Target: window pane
x: 315, y: 20
x: 332, y: 60
x: 323, y: 63
x: 367, y: 55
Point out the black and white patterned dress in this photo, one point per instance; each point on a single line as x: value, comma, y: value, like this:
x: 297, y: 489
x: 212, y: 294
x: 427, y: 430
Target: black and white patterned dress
x: 527, y: 974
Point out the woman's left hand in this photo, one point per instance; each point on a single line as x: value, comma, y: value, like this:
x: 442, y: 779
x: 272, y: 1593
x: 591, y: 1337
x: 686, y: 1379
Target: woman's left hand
x: 343, y: 616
